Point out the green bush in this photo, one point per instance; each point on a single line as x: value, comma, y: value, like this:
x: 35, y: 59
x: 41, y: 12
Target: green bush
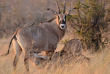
x: 90, y: 22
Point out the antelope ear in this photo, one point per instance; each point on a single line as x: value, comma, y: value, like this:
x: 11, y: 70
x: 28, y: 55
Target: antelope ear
x: 69, y: 11
x: 54, y: 12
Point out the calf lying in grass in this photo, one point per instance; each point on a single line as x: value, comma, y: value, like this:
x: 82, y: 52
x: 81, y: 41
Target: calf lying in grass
x: 72, y: 51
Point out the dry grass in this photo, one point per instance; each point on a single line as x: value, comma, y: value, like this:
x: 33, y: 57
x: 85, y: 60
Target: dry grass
x: 99, y: 64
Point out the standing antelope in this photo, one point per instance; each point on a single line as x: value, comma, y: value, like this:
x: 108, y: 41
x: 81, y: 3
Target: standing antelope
x: 43, y: 37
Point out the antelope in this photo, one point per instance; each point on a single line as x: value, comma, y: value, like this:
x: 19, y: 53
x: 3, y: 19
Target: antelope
x: 43, y: 37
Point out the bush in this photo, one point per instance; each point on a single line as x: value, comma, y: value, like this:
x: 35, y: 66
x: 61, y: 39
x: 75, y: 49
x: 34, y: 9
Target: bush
x: 90, y: 22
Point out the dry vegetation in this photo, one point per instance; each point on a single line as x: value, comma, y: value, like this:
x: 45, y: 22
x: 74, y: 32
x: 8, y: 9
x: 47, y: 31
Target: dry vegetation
x: 17, y: 13
x: 99, y: 64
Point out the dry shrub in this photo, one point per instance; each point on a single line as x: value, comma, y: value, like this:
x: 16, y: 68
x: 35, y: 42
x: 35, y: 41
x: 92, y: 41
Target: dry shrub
x: 89, y: 20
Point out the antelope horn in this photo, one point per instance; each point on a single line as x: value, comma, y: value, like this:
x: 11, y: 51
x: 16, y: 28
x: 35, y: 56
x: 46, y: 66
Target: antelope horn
x: 64, y: 7
x: 58, y: 8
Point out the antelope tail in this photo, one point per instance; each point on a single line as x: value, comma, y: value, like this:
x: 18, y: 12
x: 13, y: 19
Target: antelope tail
x: 13, y: 37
